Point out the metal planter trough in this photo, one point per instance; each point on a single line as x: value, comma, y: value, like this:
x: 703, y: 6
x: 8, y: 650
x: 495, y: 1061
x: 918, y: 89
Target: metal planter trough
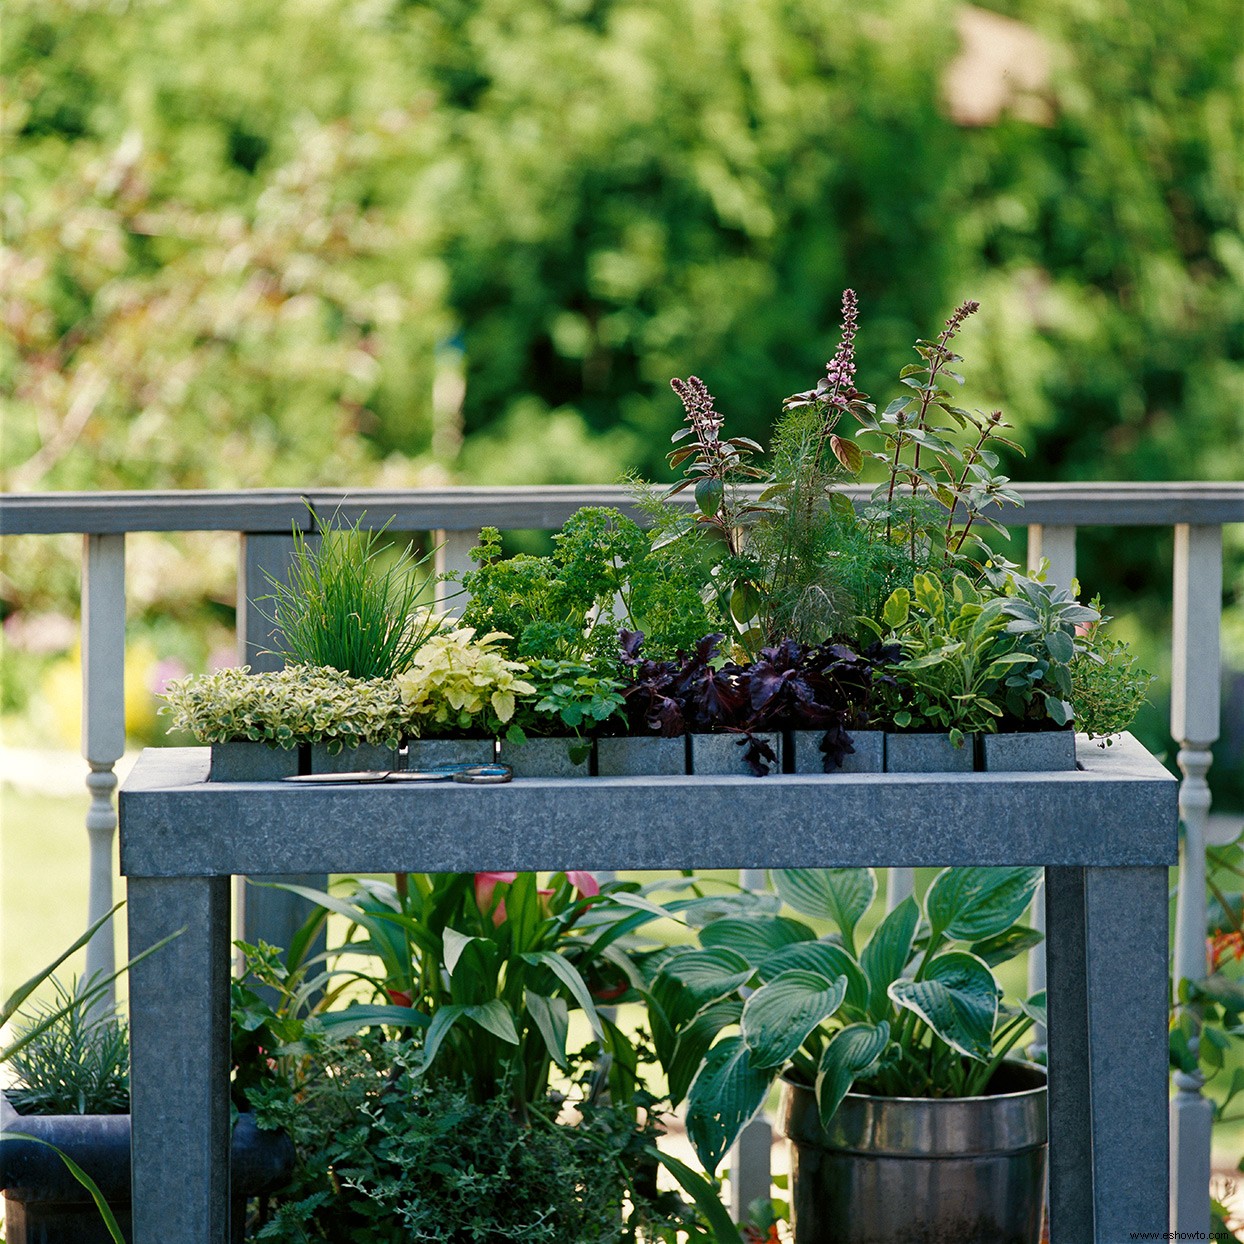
x: 868, y: 756
x: 1044, y: 751
x: 44, y: 1204
x: 548, y: 758
x: 351, y: 759
x: 721, y: 755
x: 927, y: 753
x: 639, y: 755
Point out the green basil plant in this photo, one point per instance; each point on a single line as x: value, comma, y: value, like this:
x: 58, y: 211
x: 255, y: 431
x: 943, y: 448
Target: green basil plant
x: 914, y: 1012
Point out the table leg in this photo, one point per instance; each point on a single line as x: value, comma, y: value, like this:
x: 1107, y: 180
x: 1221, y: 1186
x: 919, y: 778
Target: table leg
x: 1107, y: 964
x: 1071, y: 1124
x: 179, y: 1052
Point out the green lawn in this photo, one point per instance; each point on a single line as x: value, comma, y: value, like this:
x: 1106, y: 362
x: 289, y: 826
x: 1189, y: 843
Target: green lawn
x: 43, y: 871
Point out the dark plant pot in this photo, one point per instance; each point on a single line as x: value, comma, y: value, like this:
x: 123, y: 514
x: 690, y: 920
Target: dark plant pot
x: 544, y: 758
x: 868, y: 757
x: 1043, y: 751
x: 905, y: 1170
x: 721, y: 755
x: 44, y: 1204
x: 428, y: 753
x: 245, y: 761
x: 638, y: 755
x: 352, y: 759
x: 927, y: 753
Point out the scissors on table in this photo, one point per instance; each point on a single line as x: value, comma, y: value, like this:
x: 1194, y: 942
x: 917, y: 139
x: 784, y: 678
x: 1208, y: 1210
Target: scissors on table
x: 470, y: 775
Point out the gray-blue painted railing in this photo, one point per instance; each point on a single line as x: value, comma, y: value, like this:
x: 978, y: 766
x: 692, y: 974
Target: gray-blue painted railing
x: 263, y: 519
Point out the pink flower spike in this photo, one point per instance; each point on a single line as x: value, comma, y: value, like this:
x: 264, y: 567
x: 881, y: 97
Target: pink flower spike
x: 486, y: 885
x: 584, y: 882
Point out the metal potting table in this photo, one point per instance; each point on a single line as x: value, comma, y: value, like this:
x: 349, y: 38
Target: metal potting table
x: 1106, y: 835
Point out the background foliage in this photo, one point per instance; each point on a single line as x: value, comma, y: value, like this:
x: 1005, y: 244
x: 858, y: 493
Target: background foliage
x: 415, y: 241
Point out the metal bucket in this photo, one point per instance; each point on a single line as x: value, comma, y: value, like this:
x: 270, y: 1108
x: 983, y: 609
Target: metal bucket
x: 910, y: 1170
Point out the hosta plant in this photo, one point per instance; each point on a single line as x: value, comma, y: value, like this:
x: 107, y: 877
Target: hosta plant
x: 913, y: 1012
x: 300, y: 704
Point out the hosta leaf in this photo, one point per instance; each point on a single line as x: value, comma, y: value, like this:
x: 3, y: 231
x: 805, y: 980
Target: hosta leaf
x: 851, y: 1053
x: 725, y: 1097
x: 842, y: 895
x: 693, y: 1042
x: 887, y: 954
x: 689, y: 981
x: 958, y: 999
x: 1007, y: 944
x: 829, y: 961
x: 1034, y: 1008
x: 755, y: 937
x: 778, y: 1017
x: 976, y: 903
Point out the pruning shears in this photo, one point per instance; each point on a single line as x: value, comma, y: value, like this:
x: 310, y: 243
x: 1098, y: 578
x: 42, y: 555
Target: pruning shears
x: 470, y: 775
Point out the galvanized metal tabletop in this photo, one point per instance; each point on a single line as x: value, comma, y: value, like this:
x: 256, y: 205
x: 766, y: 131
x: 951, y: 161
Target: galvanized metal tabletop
x: 1105, y: 834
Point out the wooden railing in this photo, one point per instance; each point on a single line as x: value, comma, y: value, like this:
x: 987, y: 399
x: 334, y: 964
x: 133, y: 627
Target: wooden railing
x: 264, y: 519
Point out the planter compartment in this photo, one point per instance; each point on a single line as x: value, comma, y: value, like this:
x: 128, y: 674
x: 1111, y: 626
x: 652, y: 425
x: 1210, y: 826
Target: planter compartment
x: 428, y: 753
x: 868, y: 757
x: 1043, y: 751
x: 641, y: 756
x: 544, y: 758
x: 927, y: 753
x: 717, y: 755
x: 920, y: 1171
x: 352, y: 759
x: 245, y: 761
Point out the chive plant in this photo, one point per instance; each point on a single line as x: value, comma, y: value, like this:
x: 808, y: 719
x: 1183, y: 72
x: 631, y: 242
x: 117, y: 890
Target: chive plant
x: 348, y: 604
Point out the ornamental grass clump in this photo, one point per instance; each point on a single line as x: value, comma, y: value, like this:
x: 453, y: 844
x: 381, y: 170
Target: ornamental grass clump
x: 348, y: 605
x: 462, y: 685
x: 284, y: 708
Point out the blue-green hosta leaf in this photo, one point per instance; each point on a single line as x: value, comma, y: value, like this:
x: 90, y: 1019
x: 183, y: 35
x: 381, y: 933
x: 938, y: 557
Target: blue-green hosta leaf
x: 975, y: 903
x: 958, y: 999
x: 755, y: 937
x: 568, y: 974
x: 552, y: 1018
x: 693, y: 1043
x: 778, y: 1017
x: 724, y: 1098
x: 701, y: 911
x: 829, y: 960
x: 689, y: 981
x: 1034, y: 1008
x: 887, y: 954
x: 839, y: 894
x: 1006, y: 945
x: 851, y: 1054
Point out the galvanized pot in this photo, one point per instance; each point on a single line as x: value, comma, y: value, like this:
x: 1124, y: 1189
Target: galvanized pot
x: 908, y: 1170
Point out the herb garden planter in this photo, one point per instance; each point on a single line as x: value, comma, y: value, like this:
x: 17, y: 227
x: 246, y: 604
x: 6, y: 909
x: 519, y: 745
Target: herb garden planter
x: 641, y: 756
x: 927, y: 753
x: 1029, y: 752
x: 428, y: 753
x: 44, y: 1204
x: 868, y: 756
x: 545, y: 758
x: 718, y: 755
x: 906, y: 1170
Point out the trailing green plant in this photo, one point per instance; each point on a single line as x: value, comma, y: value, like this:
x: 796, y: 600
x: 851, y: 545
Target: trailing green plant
x: 299, y: 704
x: 78, y: 1063
x: 460, y: 684
x: 914, y: 1012
x: 1108, y: 685
x: 387, y: 1156
x: 348, y: 604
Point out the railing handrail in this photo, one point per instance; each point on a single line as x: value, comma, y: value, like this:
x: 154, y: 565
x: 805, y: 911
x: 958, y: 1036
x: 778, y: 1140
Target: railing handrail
x: 275, y: 510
